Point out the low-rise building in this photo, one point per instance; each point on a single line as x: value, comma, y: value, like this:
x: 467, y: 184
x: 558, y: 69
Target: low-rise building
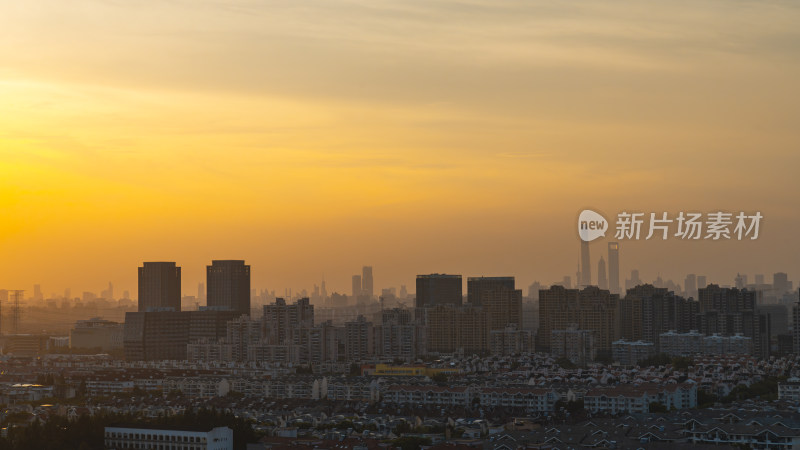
x: 632, y: 399
x: 141, y: 436
x: 428, y: 395
x: 532, y: 400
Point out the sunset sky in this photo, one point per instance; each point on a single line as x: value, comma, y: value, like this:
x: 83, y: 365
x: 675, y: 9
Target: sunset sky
x: 313, y: 137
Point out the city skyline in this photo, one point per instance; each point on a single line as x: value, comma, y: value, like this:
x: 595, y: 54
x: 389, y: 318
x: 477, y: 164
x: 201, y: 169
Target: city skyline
x: 603, y: 281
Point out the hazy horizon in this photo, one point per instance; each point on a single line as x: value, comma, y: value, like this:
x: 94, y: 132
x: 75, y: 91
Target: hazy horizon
x: 313, y: 139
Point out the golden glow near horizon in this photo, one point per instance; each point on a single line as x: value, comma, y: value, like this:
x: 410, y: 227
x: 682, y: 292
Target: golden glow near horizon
x: 312, y: 138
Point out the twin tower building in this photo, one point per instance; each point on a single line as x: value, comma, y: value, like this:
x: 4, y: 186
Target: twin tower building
x: 227, y: 283
x: 159, y: 330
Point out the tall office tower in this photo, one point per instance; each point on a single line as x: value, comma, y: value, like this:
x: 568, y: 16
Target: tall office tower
x: 201, y: 292
x: 438, y: 289
x: 476, y: 286
x: 358, y: 339
x: 323, y: 291
x: 67, y: 293
x: 590, y: 309
x: 159, y: 286
x: 586, y: 266
x: 701, y: 281
x: 613, y: 267
x: 567, y: 282
x: 366, y: 281
x: 356, y: 287
x: 602, y: 279
x: 281, y: 321
x: 740, y: 281
x: 690, y: 285
x: 37, y: 292
x: 729, y: 311
x: 228, y: 284
x: 780, y: 283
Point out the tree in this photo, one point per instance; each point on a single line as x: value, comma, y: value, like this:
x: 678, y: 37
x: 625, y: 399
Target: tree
x: 565, y: 363
x: 439, y: 377
x: 657, y: 407
x: 411, y: 442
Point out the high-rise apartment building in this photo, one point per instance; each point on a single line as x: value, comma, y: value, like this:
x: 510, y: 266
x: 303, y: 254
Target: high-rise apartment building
x: 728, y: 311
x: 660, y: 311
x: 476, y: 286
x: 358, y: 339
x: 281, y: 320
x: 588, y: 309
x: 438, y: 289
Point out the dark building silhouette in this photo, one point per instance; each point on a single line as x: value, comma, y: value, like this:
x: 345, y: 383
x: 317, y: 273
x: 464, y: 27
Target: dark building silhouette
x: 452, y: 328
x: 367, y: 287
x: 438, y: 289
x: 503, y: 307
x: 228, y: 284
x: 728, y: 311
x: 602, y: 279
x: 164, y: 335
x: 647, y: 311
x: 499, y: 298
x: 357, y: 286
x: 159, y: 286
x: 476, y: 286
x: 590, y: 308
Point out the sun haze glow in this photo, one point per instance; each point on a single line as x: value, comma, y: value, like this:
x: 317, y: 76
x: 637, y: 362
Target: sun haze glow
x: 314, y: 137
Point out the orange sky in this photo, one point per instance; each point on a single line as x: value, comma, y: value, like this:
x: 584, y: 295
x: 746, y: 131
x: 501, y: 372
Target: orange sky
x: 312, y: 138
